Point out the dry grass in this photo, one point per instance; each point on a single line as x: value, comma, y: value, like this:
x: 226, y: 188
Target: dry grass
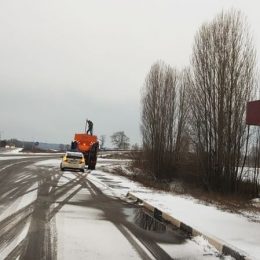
x: 187, y: 182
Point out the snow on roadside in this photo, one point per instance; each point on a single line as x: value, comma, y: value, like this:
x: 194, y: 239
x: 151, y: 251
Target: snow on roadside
x: 11, y: 151
x: 12, y: 157
x: 203, y: 250
x: 115, y: 185
x: 116, y: 166
x: 235, y: 229
x: 232, y: 228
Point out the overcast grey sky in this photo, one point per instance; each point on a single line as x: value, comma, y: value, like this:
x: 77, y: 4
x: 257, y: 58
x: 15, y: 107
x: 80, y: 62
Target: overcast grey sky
x: 62, y: 61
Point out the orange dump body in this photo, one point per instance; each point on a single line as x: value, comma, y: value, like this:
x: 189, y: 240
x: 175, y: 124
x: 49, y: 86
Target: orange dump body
x: 85, y: 141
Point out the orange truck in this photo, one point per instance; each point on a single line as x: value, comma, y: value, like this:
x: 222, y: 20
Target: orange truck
x: 88, y: 145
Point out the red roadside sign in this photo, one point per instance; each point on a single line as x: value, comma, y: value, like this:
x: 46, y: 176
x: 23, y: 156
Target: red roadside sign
x: 253, y: 113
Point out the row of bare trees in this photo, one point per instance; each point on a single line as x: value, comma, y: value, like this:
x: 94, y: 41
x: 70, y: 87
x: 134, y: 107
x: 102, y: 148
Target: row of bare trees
x: 201, y: 110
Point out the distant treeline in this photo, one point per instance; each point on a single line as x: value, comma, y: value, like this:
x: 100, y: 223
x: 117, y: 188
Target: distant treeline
x: 27, y: 145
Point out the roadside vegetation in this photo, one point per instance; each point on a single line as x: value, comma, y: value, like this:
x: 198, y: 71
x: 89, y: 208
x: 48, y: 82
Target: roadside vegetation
x: 193, y: 121
x: 129, y: 165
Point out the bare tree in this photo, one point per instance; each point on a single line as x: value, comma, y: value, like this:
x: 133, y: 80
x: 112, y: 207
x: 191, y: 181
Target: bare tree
x: 135, y: 147
x: 224, y: 78
x: 120, y: 140
x: 182, y: 137
x: 163, y: 116
x: 102, y: 141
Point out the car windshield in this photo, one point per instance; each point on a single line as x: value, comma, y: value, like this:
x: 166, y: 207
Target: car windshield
x: 74, y: 155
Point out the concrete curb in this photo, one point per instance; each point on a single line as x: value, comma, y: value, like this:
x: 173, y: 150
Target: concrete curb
x: 221, y: 246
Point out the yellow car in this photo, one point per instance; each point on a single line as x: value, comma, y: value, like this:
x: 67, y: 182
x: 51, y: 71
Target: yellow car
x: 73, y: 161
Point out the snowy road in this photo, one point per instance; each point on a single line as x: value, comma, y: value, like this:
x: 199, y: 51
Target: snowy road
x: 48, y: 214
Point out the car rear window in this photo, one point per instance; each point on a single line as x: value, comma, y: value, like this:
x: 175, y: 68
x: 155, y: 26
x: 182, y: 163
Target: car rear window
x: 74, y: 156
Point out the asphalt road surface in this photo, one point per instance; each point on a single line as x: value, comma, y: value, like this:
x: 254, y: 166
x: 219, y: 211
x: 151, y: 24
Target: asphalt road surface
x: 49, y: 214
